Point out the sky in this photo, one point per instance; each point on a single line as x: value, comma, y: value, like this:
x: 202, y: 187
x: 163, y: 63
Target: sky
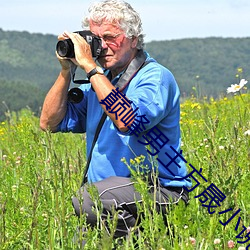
x: 162, y: 19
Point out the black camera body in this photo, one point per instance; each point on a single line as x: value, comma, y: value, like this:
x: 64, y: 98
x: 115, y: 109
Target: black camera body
x: 65, y: 48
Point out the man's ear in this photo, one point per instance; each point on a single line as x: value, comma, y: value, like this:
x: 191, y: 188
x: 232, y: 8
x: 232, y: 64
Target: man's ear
x: 134, y: 42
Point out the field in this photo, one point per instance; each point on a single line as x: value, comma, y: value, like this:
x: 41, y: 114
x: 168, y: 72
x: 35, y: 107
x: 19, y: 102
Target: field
x: 40, y: 172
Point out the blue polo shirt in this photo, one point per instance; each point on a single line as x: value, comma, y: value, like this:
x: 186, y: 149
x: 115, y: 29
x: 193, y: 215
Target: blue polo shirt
x: 154, y: 91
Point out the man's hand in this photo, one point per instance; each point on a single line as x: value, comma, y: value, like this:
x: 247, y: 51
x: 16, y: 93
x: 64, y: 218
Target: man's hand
x: 83, y: 54
x: 66, y: 63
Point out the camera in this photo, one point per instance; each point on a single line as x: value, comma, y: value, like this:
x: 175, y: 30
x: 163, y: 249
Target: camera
x: 65, y: 48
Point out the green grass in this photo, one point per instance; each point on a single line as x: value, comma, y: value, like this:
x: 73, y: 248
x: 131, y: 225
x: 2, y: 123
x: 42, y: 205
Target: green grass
x: 40, y: 172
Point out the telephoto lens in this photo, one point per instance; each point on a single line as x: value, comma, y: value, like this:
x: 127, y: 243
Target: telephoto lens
x: 65, y: 48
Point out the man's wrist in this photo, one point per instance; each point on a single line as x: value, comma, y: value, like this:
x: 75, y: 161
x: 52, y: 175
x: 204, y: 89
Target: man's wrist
x: 65, y: 73
x: 96, y: 70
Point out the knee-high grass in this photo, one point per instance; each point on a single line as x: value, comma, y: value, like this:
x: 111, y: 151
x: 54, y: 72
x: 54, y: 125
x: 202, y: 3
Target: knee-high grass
x: 40, y: 172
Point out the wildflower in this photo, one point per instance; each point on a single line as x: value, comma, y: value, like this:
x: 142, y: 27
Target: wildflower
x: 22, y: 210
x: 241, y: 248
x: 247, y: 133
x: 195, y: 105
x: 137, y: 160
x: 45, y: 216
x: 14, y: 188
x: 192, y: 240
x: 230, y: 244
x: 123, y: 160
x: 240, y: 70
x: 248, y: 229
x: 132, y: 162
x: 237, y: 87
x: 216, y: 241
x: 221, y: 147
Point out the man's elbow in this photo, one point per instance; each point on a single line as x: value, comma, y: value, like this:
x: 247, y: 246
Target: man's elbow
x: 45, y: 126
x: 121, y: 126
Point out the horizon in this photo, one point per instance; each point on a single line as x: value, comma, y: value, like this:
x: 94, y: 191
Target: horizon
x: 173, y: 39
x: 176, y: 19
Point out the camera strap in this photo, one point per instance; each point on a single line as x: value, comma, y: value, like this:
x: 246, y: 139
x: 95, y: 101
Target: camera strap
x: 136, y: 64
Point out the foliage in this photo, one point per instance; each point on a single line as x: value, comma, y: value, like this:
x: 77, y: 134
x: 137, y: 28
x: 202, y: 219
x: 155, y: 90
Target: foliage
x: 208, y: 62
x: 40, y: 172
x: 28, y: 58
x: 14, y: 95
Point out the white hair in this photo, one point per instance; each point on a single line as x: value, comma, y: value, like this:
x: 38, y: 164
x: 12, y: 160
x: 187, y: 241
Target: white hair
x: 120, y: 13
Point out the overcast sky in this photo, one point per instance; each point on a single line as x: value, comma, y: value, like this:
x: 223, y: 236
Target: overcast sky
x: 162, y: 19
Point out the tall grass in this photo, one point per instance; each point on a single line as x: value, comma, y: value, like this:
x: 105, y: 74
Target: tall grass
x: 40, y: 172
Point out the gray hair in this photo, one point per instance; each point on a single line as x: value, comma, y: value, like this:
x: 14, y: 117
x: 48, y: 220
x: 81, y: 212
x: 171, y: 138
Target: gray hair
x: 120, y: 13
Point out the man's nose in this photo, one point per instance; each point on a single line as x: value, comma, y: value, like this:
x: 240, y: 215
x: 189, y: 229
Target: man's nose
x: 104, y: 44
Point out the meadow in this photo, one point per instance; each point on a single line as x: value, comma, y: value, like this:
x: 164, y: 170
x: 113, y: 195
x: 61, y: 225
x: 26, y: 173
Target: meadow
x: 40, y: 172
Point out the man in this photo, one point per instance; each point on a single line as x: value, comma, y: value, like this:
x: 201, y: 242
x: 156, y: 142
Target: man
x: 148, y: 89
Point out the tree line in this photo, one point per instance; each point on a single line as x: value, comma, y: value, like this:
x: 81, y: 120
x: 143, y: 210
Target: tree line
x: 202, y: 67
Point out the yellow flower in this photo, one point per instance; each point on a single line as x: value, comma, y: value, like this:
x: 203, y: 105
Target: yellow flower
x: 240, y: 70
x: 132, y: 162
x: 195, y: 105
x: 138, y: 160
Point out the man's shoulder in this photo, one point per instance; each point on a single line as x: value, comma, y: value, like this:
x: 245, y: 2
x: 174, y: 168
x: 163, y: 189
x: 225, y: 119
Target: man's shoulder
x: 155, y: 69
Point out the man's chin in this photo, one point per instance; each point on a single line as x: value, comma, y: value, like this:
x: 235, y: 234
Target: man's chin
x: 105, y: 63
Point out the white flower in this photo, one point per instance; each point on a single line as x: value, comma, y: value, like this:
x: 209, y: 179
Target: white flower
x: 246, y: 133
x: 217, y: 241
x: 22, y: 210
x: 241, y: 248
x: 192, y: 240
x: 237, y: 87
x: 221, y: 147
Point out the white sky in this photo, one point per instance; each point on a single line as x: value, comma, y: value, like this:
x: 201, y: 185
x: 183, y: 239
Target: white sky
x: 162, y: 19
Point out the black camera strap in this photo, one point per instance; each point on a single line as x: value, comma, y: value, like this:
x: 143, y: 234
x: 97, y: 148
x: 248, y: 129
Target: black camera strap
x: 136, y: 64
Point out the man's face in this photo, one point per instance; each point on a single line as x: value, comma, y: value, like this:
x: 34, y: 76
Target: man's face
x: 118, y: 50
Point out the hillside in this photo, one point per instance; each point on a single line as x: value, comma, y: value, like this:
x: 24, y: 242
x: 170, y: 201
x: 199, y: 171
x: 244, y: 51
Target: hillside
x: 28, y: 66
x: 211, y: 63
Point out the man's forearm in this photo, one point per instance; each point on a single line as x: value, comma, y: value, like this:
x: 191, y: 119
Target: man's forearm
x: 55, y: 103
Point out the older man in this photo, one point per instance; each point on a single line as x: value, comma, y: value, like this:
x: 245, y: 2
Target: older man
x: 143, y: 90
